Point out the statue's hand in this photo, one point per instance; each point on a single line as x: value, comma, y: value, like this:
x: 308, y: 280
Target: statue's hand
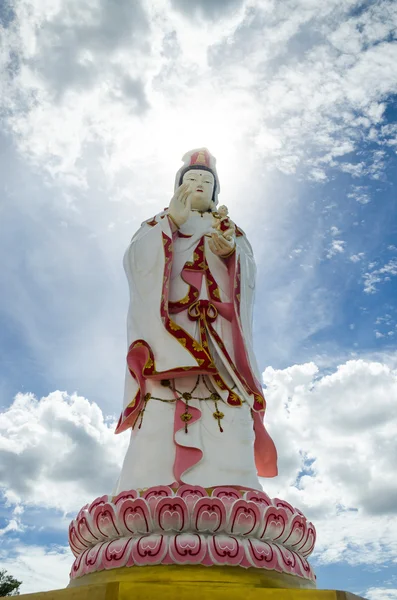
x: 179, y: 208
x: 220, y: 246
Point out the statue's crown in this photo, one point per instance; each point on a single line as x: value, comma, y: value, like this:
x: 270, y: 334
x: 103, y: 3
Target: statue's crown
x: 201, y: 157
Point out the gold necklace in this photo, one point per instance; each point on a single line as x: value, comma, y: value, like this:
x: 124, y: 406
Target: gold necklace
x: 201, y: 211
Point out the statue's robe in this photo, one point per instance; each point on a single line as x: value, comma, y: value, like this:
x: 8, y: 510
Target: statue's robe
x: 190, y: 315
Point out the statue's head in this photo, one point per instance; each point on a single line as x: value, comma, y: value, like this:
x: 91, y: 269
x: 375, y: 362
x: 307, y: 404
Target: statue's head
x: 199, y: 171
x: 201, y: 183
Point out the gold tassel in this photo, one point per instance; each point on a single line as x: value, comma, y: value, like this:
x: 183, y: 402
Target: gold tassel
x: 218, y: 415
x: 187, y: 416
x: 142, y: 412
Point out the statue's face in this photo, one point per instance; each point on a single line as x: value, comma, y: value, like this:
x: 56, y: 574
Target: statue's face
x: 223, y: 210
x: 202, y: 186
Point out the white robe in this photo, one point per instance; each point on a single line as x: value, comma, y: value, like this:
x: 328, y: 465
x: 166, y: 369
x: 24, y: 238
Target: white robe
x: 222, y: 457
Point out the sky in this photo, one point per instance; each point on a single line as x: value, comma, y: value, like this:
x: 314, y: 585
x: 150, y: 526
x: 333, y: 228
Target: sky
x: 298, y: 102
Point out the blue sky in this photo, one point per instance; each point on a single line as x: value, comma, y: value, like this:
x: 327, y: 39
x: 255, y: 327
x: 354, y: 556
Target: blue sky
x: 298, y: 102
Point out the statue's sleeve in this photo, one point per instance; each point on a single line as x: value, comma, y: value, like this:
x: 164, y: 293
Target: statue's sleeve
x: 145, y: 260
x: 145, y: 252
x: 247, y: 268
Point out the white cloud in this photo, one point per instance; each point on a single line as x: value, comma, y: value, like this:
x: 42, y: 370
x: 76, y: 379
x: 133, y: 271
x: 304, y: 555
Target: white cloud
x: 311, y: 98
x: 360, y: 193
x: 318, y: 175
x: 381, y: 593
x: 357, y: 257
x: 307, y: 108
x: 337, y: 247
x: 39, y: 568
x: 376, y: 276
x: 12, y: 525
x: 337, y: 449
x: 354, y: 169
x: 207, y: 9
x: 386, y: 319
x: 57, y: 452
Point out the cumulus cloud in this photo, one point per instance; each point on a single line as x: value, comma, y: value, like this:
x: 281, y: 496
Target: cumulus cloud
x: 57, y: 452
x: 336, y: 438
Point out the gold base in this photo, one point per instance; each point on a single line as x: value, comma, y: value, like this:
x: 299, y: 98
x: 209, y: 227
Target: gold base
x: 188, y: 582
x: 195, y: 575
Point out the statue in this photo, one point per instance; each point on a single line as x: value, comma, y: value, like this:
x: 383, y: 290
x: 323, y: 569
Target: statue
x: 188, y: 496
x: 193, y: 394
